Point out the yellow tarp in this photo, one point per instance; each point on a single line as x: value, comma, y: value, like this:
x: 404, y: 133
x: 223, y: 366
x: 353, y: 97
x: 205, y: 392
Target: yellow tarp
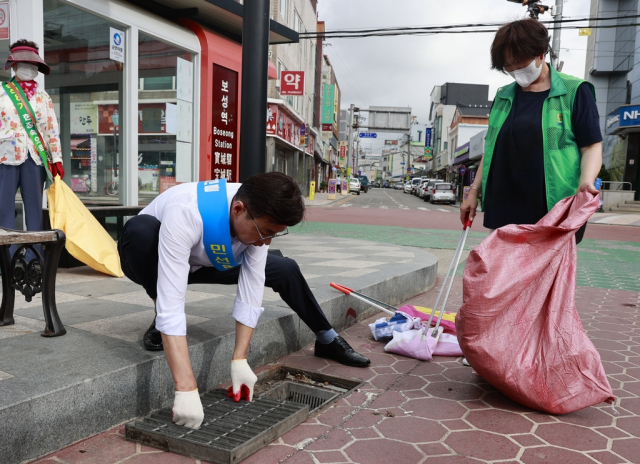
x: 87, y: 241
x: 451, y: 317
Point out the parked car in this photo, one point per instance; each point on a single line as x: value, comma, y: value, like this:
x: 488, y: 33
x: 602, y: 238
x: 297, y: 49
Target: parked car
x: 422, y: 187
x: 364, y: 183
x: 415, y: 182
x: 376, y: 184
x: 386, y: 185
x: 398, y: 186
x: 354, y: 185
x: 407, y: 187
x: 429, y: 188
x: 443, y: 192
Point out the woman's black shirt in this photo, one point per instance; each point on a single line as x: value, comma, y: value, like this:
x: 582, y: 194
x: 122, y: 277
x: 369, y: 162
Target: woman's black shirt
x: 515, y: 191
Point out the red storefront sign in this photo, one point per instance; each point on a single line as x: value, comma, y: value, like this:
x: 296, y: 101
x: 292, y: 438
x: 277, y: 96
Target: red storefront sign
x: 280, y: 123
x: 292, y: 83
x: 225, y: 140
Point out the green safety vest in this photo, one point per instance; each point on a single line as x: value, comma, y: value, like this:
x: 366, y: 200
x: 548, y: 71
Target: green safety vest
x: 561, y: 153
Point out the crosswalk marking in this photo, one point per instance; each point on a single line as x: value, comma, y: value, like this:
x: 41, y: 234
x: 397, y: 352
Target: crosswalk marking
x: 384, y: 207
x: 346, y: 205
x: 365, y: 206
x: 404, y: 207
x: 444, y: 210
x: 423, y: 209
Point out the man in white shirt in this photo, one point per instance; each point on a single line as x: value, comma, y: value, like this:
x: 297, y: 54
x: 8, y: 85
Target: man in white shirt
x: 163, y: 249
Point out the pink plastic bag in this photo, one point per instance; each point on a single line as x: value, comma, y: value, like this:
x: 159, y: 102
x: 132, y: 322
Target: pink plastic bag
x: 447, y: 346
x: 415, y: 343
x: 518, y: 325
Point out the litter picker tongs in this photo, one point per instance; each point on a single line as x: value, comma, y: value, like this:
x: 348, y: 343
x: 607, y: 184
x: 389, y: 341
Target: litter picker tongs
x: 448, y: 281
x: 367, y: 299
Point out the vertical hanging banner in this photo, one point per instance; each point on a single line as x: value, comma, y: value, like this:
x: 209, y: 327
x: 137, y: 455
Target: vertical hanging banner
x: 224, y: 156
x: 116, y: 45
x: 328, y: 96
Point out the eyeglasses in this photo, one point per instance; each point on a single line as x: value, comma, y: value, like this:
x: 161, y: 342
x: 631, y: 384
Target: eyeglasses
x: 268, y: 237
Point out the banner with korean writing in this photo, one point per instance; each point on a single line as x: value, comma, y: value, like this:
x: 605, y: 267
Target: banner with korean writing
x: 328, y: 96
x: 224, y: 156
x: 84, y: 118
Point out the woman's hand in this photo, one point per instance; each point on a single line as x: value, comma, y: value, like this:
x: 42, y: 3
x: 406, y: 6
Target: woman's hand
x: 469, y: 206
x: 589, y: 187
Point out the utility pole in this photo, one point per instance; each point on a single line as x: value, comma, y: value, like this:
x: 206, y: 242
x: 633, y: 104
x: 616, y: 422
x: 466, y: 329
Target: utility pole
x: 255, y: 66
x: 350, y: 138
x: 555, y: 44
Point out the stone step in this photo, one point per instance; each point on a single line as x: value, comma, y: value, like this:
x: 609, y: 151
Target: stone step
x: 634, y: 202
x: 626, y: 209
x: 58, y: 391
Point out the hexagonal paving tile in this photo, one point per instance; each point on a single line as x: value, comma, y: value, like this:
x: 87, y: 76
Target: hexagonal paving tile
x: 572, y: 437
x: 379, y: 451
x: 551, y: 454
x: 482, y: 445
x: 454, y: 390
x: 411, y: 429
x: 499, y: 421
x: 435, y: 408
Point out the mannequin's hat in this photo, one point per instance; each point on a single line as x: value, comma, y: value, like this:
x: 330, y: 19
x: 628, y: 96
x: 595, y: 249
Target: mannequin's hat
x: 24, y: 54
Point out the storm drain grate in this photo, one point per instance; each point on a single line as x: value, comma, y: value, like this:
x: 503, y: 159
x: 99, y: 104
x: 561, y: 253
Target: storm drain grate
x: 230, y: 431
x: 303, y: 394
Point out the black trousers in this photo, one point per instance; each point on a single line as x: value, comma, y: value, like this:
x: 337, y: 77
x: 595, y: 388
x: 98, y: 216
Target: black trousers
x: 138, y: 249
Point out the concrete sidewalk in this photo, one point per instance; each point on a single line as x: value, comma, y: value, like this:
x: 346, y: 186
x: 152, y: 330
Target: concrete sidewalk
x: 320, y: 199
x: 56, y: 391
x: 412, y: 412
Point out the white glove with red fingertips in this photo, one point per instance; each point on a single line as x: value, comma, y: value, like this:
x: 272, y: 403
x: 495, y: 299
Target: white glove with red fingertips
x: 242, y: 380
x: 187, y: 409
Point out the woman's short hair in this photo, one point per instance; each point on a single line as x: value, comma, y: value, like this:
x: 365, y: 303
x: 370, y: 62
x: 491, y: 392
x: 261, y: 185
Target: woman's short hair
x: 523, y: 40
x: 273, y: 194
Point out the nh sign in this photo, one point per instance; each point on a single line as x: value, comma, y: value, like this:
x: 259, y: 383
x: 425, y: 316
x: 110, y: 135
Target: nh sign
x: 631, y: 115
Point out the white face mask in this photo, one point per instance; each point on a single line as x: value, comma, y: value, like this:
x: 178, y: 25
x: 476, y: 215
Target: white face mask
x: 26, y: 71
x: 527, y: 75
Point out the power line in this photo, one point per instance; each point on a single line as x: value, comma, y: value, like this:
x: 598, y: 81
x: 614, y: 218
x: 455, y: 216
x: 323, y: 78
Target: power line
x: 454, y: 28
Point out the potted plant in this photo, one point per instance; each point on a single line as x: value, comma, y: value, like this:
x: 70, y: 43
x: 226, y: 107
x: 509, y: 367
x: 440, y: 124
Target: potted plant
x: 323, y: 186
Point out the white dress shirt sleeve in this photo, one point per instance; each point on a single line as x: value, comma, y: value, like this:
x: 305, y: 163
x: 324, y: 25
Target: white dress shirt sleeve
x: 247, y: 308
x: 179, y: 233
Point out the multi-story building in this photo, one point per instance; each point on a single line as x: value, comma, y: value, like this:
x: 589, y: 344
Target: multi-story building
x: 290, y: 115
x: 444, y: 102
x: 613, y: 67
x: 330, y: 114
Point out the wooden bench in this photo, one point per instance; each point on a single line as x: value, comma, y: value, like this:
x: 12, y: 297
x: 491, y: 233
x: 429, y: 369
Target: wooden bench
x: 32, y: 277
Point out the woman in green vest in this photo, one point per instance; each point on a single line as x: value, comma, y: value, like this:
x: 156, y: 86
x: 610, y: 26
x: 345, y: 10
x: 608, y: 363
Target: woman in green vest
x: 544, y: 141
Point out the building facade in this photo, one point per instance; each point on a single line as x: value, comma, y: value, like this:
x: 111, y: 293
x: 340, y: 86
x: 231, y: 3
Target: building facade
x: 145, y: 98
x: 613, y: 67
x: 444, y: 101
x: 289, y: 116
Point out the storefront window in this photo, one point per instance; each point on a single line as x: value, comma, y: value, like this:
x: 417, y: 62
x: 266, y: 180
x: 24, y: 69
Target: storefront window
x: 86, y: 88
x: 165, y: 99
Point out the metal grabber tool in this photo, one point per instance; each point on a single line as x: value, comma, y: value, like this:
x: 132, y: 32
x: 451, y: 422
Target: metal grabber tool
x: 448, y: 281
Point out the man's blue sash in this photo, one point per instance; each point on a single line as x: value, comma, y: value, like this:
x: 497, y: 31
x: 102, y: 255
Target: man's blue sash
x: 214, y: 210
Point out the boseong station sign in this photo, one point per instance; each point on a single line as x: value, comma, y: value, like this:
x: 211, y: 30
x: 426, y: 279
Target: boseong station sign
x: 623, y: 120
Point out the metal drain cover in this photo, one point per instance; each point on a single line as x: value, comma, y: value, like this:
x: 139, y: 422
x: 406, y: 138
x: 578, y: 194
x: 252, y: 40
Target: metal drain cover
x: 230, y: 431
x: 303, y: 394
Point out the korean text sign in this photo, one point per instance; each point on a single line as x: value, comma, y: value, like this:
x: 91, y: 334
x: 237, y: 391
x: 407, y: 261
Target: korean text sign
x: 327, y: 104
x: 224, y: 149
x: 292, y: 83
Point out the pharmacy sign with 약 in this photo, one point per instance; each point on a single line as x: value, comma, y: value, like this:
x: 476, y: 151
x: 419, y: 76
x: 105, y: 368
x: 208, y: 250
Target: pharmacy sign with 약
x: 292, y: 83
x: 116, y: 45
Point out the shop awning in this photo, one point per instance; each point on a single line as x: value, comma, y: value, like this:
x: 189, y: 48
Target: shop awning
x: 273, y: 72
x: 80, y: 144
x: 222, y: 16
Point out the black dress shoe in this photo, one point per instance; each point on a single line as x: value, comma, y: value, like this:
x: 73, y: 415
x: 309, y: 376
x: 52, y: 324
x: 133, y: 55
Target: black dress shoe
x: 339, y: 350
x: 153, y: 338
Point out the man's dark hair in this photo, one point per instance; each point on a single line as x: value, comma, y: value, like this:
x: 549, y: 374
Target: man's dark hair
x: 273, y: 194
x: 524, y: 39
x: 24, y: 43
